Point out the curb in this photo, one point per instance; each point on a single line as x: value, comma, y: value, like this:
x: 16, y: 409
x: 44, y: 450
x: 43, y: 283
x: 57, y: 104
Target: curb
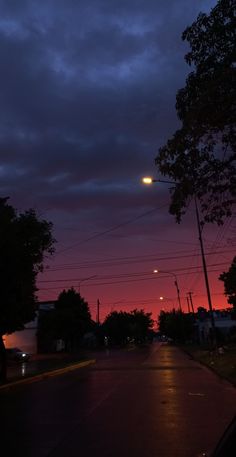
x: 47, y: 374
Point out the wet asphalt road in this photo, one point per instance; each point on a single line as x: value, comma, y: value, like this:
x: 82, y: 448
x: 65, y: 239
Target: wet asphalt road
x: 146, y: 402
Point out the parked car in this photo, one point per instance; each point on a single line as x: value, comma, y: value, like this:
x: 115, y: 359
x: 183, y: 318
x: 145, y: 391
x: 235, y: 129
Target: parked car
x: 17, y: 355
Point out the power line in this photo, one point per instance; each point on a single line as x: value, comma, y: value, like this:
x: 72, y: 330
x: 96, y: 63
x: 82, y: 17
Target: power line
x: 126, y: 280
x: 115, y: 227
x: 144, y: 302
x: 131, y: 260
x: 125, y: 275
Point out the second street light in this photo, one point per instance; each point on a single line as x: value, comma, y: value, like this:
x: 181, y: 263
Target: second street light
x: 175, y: 282
x: 148, y: 180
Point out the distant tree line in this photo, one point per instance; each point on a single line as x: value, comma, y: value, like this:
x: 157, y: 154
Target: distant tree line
x: 70, y: 320
x: 120, y: 327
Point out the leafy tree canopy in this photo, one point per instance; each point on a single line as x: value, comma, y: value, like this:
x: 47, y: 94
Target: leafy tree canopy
x: 71, y: 318
x: 140, y: 324
x: 24, y: 242
x: 201, y: 155
x: 117, y: 326
x: 229, y: 280
x: 120, y: 325
x: 176, y: 325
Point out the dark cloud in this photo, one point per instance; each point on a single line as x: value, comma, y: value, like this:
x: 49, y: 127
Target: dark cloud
x: 87, y: 96
x: 87, y: 93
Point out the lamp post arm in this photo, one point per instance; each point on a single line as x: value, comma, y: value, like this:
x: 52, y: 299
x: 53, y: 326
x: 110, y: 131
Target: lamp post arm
x: 176, y: 285
x: 177, y: 288
x: 164, y: 181
x: 85, y: 279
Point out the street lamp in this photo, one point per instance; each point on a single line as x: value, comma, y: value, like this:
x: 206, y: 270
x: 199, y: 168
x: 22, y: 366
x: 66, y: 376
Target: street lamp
x: 149, y: 180
x: 175, y: 282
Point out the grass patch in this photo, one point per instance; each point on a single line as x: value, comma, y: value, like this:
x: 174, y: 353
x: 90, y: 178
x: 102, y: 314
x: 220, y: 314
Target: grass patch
x: 223, y: 364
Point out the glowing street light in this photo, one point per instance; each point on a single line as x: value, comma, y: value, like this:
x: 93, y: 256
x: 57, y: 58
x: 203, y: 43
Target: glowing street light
x: 176, y: 283
x: 150, y: 180
x: 147, y: 180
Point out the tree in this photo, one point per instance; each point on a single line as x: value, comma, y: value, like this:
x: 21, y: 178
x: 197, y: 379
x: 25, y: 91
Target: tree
x: 70, y: 319
x: 229, y: 280
x: 202, y: 313
x: 201, y: 155
x: 117, y: 326
x: 120, y: 325
x: 176, y: 325
x: 24, y: 242
x: 140, y: 325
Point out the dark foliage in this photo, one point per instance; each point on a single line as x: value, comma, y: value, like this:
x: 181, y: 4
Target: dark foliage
x: 69, y: 321
x: 229, y: 280
x: 176, y: 325
x: 122, y: 327
x: 24, y: 242
x: 201, y: 155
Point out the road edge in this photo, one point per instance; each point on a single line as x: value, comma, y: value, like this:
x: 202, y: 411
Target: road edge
x: 47, y: 374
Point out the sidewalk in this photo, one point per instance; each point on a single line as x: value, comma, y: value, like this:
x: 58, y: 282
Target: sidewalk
x: 41, y: 365
x: 222, y: 363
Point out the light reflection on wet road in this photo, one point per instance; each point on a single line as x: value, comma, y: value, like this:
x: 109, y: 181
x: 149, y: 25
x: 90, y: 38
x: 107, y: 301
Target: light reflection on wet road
x: 38, y: 364
x: 143, y: 403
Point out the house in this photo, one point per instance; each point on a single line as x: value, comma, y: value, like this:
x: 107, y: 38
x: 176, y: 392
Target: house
x: 27, y: 339
x: 224, y: 324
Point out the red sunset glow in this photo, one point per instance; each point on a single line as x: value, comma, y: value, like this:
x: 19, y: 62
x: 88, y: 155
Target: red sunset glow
x: 118, y: 267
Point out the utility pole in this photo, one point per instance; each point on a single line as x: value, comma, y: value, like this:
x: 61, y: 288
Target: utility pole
x: 178, y: 295
x: 213, y: 327
x: 98, y: 310
x: 188, y: 304
x: 191, y: 301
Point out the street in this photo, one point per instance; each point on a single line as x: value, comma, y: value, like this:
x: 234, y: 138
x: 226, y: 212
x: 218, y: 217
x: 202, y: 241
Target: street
x: 152, y: 401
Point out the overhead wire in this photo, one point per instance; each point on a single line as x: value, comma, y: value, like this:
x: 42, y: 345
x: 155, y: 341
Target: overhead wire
x: 127, y: 261
x: 115, y: 227
x: 121, y: 278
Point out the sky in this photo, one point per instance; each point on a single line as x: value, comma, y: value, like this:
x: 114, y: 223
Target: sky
x: 87, y: 97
